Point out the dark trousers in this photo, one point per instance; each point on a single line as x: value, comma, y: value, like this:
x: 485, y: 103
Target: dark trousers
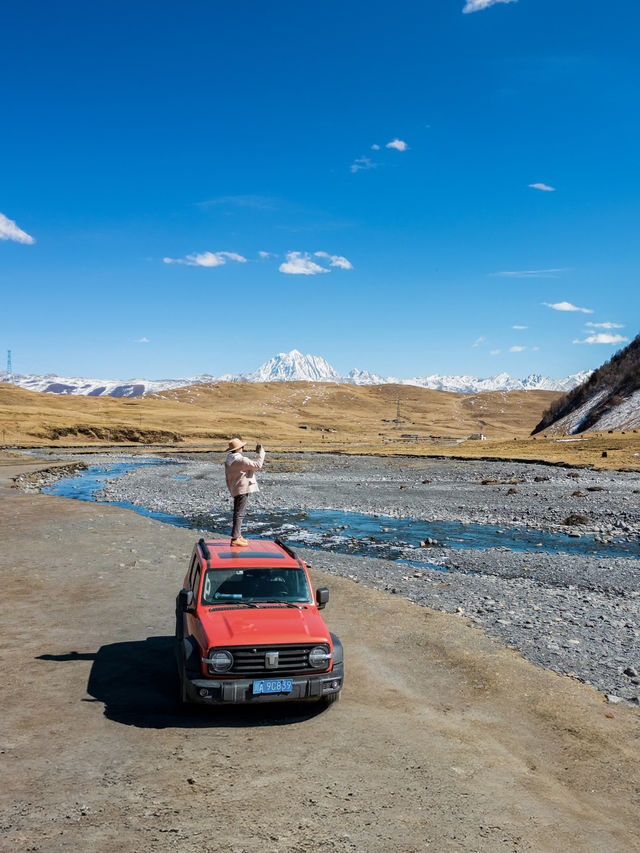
x: 239, y: 511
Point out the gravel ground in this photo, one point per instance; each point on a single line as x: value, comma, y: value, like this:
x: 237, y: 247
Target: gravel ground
x: 576, y: 615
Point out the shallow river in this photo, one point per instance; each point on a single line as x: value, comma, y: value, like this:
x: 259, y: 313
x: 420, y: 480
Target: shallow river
x: 349, y: 532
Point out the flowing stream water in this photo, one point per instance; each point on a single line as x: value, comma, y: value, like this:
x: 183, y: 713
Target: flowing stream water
x: 349, y: 532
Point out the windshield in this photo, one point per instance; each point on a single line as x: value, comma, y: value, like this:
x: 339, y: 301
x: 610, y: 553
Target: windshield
x: 264, y: 584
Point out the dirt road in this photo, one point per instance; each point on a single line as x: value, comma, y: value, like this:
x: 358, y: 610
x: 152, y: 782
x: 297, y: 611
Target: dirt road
x: 443, y: 739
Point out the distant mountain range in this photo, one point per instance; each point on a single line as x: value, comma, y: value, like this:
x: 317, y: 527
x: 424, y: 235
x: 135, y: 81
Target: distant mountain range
x: 291, y: 367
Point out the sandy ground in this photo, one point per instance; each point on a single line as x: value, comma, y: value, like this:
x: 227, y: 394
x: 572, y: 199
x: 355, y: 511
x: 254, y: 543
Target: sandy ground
x: 443, y: 740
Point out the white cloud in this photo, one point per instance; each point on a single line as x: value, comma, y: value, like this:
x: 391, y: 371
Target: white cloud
x: 478, y: 5
x: 535, y: 349
x: 567, y: 306
x: 336, y: 260
x: 479, y: 341
x: 142, y: 341
x: 264, y: 255
x: 299, y: 263
x: 603, y: 338
x: 362, y: 163
x: 544, y: 187
x: 605, y: 325
x: 495, y: 352
x: 375, y: 147
x: 398, y: 144
x: 10, y: 231
x: 530, y: 273
x: 519, y: 327
x: 207, y: 259
x: 517, y: 349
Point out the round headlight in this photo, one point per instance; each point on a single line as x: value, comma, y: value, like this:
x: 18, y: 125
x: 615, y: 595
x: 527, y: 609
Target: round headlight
x: 319, y: 657
x: 220, y: 661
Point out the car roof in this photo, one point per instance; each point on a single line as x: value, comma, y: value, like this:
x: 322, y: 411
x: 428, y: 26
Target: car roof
x: 259, y: 553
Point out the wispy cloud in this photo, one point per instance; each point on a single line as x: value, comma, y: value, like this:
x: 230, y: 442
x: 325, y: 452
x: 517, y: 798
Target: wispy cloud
x: 544, y: 187
x: 605, y: 325
x: 398, y: 144
x: 567, y: 306
x: 478, y: 5
x: 10, y: 231
x: 530, y: 273
x: 142, y: 340
x: 264, y: 255
x: 478, y: 341
x: 517, y: 349
x: 207, y: 259
x: 603, y: 338
x: 257, y: 202
x: 375, y: 147
x: 362, y: 164
x: 495, y: 352
x: 519, y: 327
x: 336, y: 260
x: 300, y: 263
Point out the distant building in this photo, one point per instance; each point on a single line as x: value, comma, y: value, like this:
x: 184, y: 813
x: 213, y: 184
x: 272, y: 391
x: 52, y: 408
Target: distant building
x: 477, y: 436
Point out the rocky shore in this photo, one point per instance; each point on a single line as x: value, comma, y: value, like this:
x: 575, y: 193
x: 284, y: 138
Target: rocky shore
x: 576, y: 614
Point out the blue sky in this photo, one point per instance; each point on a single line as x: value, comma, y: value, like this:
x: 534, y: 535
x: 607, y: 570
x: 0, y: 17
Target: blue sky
x: 153, y: 150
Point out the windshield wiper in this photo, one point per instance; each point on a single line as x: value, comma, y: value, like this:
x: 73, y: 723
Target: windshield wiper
x: 284, y: 603
x: 228, y: 604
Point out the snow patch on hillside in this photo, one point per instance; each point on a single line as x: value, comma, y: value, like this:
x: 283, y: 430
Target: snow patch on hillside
x: 626, y: 415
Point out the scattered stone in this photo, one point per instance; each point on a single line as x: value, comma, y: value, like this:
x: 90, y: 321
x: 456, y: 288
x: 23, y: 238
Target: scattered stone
x: 512, y: 492
x: 575, y: 518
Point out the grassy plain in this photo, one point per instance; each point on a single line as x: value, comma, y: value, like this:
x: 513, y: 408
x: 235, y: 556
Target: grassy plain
x: 308, y: 416
x: 302, y: 413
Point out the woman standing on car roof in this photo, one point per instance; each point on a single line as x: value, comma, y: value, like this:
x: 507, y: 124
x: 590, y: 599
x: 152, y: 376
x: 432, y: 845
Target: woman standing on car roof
x: 241, y: 482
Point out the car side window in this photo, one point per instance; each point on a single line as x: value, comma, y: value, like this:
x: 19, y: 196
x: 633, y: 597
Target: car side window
x: 195, y: 585
x: 192, y: 567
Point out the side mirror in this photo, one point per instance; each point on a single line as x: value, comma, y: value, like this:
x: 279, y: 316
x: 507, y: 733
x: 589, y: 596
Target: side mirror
x: 185, y: 598
x: 322, y: 597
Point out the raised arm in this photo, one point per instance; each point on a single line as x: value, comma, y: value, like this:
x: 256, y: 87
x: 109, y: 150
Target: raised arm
x: 249, y: 464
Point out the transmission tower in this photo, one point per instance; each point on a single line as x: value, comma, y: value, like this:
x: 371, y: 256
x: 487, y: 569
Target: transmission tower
x: 9, y: 370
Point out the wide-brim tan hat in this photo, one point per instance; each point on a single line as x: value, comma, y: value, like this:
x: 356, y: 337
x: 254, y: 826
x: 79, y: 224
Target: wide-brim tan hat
x: 236, y: 444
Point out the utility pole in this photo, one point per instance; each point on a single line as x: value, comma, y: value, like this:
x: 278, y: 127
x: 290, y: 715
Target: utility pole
x: 9, y: 369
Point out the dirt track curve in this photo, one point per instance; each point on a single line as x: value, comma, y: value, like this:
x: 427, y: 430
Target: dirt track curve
x: 443, y: 739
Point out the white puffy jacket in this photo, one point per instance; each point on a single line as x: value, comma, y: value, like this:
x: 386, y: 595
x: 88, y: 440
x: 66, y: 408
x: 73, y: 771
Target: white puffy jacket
x: 240, y: 472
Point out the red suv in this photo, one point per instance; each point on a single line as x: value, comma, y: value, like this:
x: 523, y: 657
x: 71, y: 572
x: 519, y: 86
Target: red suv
x: 248, y: 628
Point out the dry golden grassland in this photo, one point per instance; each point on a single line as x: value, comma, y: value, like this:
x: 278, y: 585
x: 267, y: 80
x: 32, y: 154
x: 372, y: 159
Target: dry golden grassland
x: 305, y: 416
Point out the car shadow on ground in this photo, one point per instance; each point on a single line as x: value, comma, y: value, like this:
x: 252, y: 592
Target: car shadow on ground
x: 138, y: 683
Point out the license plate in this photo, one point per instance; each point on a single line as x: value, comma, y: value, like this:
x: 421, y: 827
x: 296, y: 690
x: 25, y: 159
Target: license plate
x: 273, y: 685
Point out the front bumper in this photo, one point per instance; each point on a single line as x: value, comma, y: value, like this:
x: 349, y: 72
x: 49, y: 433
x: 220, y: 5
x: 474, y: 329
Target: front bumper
x: 234, y: 691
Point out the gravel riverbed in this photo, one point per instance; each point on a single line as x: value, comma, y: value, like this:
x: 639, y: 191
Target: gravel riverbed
x: 575, y: 614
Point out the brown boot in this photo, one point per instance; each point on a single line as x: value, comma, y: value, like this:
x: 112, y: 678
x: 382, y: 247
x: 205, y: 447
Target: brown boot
x: 240, y: 542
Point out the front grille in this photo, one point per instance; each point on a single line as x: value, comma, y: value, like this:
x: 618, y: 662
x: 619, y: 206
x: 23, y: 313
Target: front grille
x: 250, y: 660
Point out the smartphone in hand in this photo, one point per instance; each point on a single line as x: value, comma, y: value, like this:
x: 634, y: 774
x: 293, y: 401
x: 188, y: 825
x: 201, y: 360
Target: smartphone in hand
x: 258, y: 448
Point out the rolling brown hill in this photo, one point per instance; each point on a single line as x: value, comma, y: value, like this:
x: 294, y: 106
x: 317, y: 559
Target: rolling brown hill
x: 299, y: 414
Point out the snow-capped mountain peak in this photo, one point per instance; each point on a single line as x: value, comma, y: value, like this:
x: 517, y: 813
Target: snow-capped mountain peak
x: 294, y: 367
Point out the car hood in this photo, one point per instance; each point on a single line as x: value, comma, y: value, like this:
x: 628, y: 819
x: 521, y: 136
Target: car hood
x: 264, y: 626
